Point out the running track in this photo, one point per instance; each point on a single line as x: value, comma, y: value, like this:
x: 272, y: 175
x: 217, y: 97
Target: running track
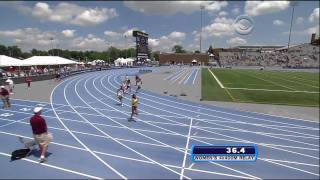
x: 93, y: 138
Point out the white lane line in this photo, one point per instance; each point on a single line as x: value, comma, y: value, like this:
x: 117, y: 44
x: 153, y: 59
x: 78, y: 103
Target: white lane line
x: 234, y: 170
x: 173, y: 74
x: 216, y: 78
x: 264, y: 134
x: 186, y: 150
x: 16, y: 121
x: 178, y: 75
x: 185, y: 82
x: 255, y: 124
x: 273, y: 90
x: 262, y: 144
x: 71, y: 133
x: 39, y: 102
x: 191, y: 165
x: 88, y: 92
x: 55, y: 167
x: 195, y: 77
x: 290, y: 167
x: 308, y: 136
x: 212, y: 172
x: 188, y: 72
x: 184, y: 72
x: 290, y: 162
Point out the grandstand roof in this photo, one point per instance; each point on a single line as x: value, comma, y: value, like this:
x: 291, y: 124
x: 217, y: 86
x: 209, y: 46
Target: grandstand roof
x: 258, y: 47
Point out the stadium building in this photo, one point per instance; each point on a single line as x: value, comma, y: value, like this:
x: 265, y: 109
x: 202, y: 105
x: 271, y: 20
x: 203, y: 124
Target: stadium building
x: 183, y: 58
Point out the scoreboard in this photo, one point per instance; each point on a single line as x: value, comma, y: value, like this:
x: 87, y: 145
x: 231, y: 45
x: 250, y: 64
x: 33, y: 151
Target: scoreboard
x: 225, y: 153
x: 141, y: 44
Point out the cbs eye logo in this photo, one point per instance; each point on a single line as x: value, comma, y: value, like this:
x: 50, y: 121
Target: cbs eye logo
x: 243, y: 24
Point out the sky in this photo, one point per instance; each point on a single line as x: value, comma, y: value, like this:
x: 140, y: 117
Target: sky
x: 97, y: 25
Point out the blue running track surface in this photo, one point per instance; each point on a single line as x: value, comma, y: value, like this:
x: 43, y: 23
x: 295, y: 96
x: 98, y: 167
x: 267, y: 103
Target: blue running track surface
x: 94, y: 139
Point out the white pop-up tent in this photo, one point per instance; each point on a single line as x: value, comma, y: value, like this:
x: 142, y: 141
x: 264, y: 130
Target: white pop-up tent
x: 47, y: 60
x: 123, y: 62
x: 6, y: 61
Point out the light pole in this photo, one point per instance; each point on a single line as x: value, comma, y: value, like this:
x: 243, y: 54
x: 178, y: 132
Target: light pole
x: 108, y: 43
x: 201, y: 9
x: 293, y: 4
x: 125, y: 36
x: 51, y: 39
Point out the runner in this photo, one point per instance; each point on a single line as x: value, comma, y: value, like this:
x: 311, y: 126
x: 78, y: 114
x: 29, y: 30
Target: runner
x: 134, y: 103
x: 120, y: 94
x: 129, y: 85
x: 138, y: 88
x: 138, y: 80
x: 124, y: 87
x: 5, y: 97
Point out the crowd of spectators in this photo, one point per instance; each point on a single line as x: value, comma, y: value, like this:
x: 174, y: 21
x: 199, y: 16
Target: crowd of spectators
x: 301, y: 56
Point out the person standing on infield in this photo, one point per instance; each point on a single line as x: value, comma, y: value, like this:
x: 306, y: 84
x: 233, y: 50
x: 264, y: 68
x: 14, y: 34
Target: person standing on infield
x: 5, y: 97
x: 40, y: 132
x: 28, y: 81
x: 134, y: 103
x: 11, y: 84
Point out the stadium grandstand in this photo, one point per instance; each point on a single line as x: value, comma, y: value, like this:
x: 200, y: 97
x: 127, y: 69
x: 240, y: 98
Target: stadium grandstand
x: 305, y: 55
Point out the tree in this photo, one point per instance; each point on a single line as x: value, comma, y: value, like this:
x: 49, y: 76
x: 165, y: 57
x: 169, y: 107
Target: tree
x: 156, y: 55
x: 14, y: 51
x: 210, y: 50
x: 114, y: 53
x: 178, y: 49
x: 3, y: 50
x: 197, y: 51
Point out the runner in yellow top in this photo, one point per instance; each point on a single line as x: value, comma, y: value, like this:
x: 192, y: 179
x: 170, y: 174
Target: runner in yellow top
x: 134, y: 103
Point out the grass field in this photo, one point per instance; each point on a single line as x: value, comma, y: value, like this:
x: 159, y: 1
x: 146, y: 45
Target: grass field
x: 269, y: 87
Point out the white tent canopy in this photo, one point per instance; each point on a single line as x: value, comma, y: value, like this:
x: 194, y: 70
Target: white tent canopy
x: 98, y: 61
x: 123, y: 62
x: 46, y: 60
x: 194, y: 61
x: 6, y: 61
